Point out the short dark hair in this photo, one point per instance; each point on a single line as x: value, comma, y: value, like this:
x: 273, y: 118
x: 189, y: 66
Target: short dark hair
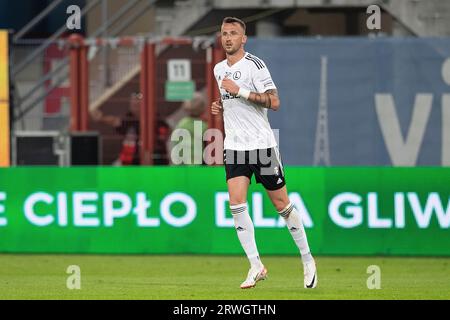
x: 235, y: 20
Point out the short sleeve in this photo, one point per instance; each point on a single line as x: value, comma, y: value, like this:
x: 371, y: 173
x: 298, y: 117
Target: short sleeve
x: 216, y: 76
x: 262, y: 80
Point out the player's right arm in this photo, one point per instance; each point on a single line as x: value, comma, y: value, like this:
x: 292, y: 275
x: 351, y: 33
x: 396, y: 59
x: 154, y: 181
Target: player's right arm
x: 216, y: 107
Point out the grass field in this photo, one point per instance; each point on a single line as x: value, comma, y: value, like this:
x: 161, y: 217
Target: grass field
x: 218, y: 277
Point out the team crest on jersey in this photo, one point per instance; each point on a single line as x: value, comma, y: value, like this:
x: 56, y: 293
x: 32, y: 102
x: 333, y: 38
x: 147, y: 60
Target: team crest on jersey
x: 237, y: 75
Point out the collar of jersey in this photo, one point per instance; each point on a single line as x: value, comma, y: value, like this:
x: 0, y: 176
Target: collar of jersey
x: 243, y: 57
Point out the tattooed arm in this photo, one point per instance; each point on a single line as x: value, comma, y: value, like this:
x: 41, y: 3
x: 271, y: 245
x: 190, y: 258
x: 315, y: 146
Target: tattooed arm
x: 268, y: 99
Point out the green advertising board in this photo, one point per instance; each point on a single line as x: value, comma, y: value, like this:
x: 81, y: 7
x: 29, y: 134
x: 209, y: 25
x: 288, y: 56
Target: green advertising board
x: 346, y: 211
x: 179, y: 90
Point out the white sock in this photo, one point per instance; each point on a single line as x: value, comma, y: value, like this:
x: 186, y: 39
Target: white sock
x: 295, y: 227
x: 246, y: 233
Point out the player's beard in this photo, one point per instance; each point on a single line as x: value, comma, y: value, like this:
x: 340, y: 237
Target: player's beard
x: 232, y: 49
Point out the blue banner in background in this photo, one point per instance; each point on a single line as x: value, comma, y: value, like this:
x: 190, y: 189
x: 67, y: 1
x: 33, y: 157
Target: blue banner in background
x: 386, y: 101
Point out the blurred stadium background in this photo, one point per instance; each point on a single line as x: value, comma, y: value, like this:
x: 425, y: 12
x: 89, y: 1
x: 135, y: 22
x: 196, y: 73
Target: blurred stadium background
x: 87, y: 112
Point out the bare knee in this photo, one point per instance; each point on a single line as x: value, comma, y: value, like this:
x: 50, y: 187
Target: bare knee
x: 279, y: 198
x: 237, y: 200
x: 280, y: 204
x: 237, y: 190
x: 280, y: 201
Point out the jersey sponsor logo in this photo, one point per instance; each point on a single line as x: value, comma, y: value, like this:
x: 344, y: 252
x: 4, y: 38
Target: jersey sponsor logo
x: 227, y: 96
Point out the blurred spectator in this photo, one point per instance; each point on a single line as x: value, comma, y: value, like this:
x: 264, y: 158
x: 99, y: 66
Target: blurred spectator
x: 160, y: 156
x: 128, y: 127
x: 129, y: 153
x: 194, y: 109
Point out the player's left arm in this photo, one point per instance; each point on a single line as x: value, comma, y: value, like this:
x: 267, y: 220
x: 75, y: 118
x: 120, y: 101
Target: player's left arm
x: 268, y: 99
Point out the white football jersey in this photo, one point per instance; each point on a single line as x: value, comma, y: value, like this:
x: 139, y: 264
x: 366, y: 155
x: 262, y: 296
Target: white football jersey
x: 246, y: 124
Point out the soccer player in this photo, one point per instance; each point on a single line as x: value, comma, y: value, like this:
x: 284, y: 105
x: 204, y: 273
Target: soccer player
x: 247, y: 93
